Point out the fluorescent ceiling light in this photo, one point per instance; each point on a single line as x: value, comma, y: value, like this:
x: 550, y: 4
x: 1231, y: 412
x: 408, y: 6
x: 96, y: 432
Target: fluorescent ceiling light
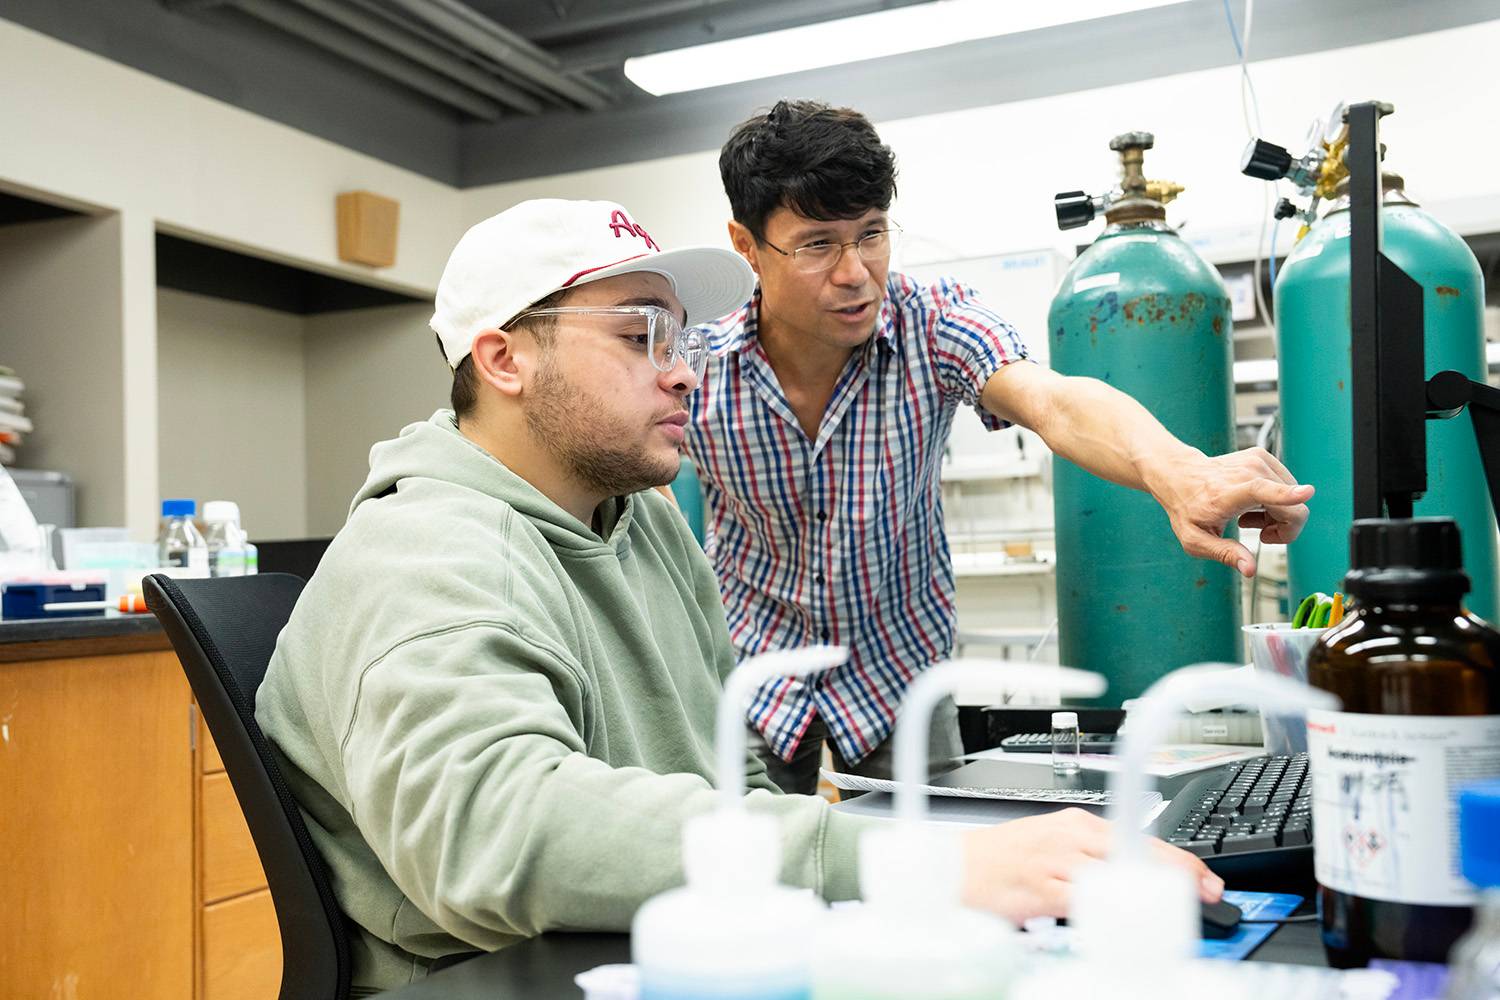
x: 855, y: 39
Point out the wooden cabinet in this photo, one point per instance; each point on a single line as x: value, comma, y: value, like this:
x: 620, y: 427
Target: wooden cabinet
x: 238, y: 949
x: 125, y: 865
x: 96, y: 842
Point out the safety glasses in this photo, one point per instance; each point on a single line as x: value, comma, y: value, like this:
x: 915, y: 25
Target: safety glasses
x: 655, y: 330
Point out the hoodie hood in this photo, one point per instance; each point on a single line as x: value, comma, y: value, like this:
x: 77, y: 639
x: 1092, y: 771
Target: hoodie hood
x: 434, y: 450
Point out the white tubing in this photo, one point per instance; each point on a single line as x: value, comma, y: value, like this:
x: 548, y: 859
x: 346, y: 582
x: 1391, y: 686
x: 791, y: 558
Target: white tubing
x: 741, y: 685
x: 914, y: 722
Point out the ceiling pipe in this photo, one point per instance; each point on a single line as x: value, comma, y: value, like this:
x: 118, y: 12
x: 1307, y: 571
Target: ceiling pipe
x: 369, y: 55
x: 423, y: 53
x: 506, y: 48
x: 568, y: 27
x: 458, y: 50
x: 402, y: 50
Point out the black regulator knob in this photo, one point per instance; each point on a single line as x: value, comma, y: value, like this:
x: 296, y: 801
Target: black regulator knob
x: 1074, y: 209
x: 1284, y: 209
x: 1265, y: 160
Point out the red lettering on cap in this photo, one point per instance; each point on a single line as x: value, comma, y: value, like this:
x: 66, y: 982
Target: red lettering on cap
x: 621, y: 224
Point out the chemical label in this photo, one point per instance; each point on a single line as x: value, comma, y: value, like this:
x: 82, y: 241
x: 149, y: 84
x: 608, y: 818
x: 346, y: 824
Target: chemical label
x: 1385, y: 801
x: 1104, y: 280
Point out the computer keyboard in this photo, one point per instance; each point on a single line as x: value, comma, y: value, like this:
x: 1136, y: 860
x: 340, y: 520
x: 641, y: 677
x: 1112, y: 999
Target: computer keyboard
x: 1246, y: 818
x: 1042, y: 743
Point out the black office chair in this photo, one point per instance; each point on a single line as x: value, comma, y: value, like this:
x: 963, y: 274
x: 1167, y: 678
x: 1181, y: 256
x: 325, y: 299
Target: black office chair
x: 224, y: 632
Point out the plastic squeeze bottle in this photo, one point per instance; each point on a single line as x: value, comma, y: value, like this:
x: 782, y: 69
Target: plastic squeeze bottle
x: 733, y: 932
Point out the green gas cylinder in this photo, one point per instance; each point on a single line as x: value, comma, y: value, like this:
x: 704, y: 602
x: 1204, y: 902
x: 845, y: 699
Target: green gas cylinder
x: 1312, y: 345
x: 1141, y: 311
x: 687, y: 490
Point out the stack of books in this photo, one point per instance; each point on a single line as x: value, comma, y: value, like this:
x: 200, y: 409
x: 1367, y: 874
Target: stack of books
x: 13, y: 421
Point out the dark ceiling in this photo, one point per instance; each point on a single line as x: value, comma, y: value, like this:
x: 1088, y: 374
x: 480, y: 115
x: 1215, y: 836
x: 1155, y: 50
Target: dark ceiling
x: 473, y: 92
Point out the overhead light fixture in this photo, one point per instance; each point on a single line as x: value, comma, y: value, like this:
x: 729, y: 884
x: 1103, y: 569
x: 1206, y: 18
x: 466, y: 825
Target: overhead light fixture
x: 856, y: 39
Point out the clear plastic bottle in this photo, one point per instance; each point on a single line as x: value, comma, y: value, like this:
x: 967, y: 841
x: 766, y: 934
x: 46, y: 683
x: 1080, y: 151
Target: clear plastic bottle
x: 1475, y: 961
x: 1419, y: 678
x: 225, y: 539
x: 913, y: 938
x: 179, y: 544
x: 732, y: 932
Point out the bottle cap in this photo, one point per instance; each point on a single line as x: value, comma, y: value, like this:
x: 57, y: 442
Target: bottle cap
x: 1064, y: 720
x: 1418, y: 557
x: 179, y: 508
x: 610, y: 982
x: 221, y: 510
x: 1479, y: 834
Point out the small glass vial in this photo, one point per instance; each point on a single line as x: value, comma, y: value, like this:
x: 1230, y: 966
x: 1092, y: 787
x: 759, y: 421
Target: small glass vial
x: 1066, y: 745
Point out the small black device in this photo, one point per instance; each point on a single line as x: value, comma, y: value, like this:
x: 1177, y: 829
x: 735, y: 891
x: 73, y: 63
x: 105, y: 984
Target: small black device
x: 1042, y: 743
x: 1250, y: 822
x: 1221, y: 919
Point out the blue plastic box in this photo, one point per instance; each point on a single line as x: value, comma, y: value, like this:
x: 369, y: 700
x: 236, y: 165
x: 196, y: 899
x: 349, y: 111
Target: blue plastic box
x: 26, y: 599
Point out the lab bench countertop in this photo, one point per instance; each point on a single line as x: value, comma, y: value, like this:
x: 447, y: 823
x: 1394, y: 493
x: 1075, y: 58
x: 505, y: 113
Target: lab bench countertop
x: 543, y: 968
x: 95, y: 635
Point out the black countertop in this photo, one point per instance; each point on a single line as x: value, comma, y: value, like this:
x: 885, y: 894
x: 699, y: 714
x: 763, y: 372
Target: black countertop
x: 543, y: 968
x: 71, y: 638
x: 84, y: 627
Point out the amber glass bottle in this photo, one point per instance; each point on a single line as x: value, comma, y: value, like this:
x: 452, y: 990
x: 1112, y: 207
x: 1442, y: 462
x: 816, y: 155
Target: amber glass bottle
x: 1420, y: 686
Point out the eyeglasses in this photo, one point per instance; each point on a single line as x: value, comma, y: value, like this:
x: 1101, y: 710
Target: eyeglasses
x: 653, y: 329
x: 825, y: 254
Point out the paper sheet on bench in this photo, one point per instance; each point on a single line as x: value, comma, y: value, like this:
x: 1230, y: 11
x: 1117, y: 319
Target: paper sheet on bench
x: 859, y: 783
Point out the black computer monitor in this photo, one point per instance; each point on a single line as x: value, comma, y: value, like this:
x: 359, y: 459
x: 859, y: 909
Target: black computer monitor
x: 297, y: 556
x: 1391, y: 397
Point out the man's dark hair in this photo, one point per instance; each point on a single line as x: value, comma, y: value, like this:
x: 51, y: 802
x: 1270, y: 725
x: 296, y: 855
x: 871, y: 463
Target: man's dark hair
x: 465, y: 392
x: 820, y: 162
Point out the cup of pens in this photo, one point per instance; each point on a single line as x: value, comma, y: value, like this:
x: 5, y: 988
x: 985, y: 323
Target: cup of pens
x: 1282, y: 648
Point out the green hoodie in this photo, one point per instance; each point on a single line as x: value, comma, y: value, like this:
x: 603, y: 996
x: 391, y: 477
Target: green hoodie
x: 496, y: 722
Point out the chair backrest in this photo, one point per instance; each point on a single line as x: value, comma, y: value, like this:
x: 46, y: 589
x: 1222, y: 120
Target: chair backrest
x: 224, y: 631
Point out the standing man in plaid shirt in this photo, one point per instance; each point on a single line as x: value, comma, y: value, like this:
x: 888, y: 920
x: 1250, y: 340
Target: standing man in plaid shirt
x: 821, y: 423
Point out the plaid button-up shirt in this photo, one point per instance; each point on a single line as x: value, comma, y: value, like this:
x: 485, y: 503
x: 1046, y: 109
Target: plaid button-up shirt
x: 841, y: 539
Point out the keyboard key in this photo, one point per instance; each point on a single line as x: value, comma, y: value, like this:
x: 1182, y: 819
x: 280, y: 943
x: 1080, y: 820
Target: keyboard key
x: 1249, y: 842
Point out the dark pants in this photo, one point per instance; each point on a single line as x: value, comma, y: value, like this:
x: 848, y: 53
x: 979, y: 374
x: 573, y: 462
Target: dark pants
x: 799, y: 775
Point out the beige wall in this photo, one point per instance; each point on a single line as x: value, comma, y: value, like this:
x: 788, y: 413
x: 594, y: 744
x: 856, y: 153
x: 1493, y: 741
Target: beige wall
x: 60, y: 329
x: 232, y: 418
x: 370, y: 372
x: 81, y: 127
x: 151, y: 156
x: 278, y: 412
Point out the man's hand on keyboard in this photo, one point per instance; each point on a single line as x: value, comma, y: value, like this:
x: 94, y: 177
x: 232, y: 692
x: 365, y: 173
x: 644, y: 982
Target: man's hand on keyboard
x: 1024, y: 868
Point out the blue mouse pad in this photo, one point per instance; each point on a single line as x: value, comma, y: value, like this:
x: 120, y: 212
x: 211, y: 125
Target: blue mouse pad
x: 1247, y: 937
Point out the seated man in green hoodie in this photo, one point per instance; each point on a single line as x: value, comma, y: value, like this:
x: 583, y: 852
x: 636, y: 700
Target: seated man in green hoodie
x: 495, y: 700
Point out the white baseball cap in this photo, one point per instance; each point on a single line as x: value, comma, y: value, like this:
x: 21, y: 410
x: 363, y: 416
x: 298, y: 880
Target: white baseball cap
x: 511, y: 260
